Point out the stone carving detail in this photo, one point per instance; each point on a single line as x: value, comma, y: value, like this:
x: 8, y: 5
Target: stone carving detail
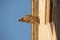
x: 29, y: 19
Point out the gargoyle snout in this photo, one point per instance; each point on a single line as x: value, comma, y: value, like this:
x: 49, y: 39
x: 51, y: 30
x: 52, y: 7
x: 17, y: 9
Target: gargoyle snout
x: 21, y: 19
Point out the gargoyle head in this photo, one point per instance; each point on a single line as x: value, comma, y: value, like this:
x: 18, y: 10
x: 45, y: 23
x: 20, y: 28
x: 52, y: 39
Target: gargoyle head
x: 21, y: 19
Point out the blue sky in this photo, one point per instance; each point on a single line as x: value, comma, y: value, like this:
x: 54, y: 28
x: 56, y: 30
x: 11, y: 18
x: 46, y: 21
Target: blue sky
x: 10, y: 12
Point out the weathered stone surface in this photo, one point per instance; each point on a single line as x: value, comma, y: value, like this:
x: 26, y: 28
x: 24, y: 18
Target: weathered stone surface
x: 35, y: 25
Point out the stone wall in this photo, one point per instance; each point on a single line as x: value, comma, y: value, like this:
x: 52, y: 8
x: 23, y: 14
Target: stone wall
x: 56, y: 16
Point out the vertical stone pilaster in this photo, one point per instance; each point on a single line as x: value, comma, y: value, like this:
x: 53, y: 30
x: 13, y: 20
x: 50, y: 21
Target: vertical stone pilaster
x: 35, y: 26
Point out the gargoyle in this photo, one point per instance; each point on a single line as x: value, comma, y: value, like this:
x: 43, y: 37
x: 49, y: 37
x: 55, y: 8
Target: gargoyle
x: 29, y: 19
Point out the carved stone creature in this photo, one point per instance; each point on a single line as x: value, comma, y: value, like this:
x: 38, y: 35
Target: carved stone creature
x: 29, y: 19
